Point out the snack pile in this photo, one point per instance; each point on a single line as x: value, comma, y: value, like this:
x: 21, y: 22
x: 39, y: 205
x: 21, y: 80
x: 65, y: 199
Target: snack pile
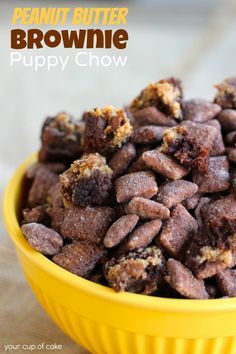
x: 141, y: 199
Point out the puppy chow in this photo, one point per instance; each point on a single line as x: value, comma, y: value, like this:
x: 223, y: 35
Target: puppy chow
x: 140, y: 198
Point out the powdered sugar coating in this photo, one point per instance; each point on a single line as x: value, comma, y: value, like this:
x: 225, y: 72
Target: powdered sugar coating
x: 135, y: 184
x: 173, y: 193
x: 42, y: 238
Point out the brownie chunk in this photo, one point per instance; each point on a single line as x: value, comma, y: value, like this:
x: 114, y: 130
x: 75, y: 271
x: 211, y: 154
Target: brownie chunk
x: 121, y: 159
x: 182, y: 280
x: 43, y: 180
x: 226, y: 95
x: 164, y: 164
x: 216, y: 179
x: 165, y: 95
x: 87, y: 181
x: 190, y: 143
x: 138, y: 271
x: 106, y: 129
x: 142, y: 235
x: 42, y: 239
x: 220, y: 216
x: 208, y: 260
x: 79, y: 257
x: 148, y: 134
x: 147, y: 209
x: 199, y: 110
x: 135, y: 184
x: 226, y: 280
x: 177, y: 230
x: 61, y: 139
x: 87, y: 224
x: 151, y: 115
x: 173, y: 193
x: 227, y: 119
x: 120, y: 229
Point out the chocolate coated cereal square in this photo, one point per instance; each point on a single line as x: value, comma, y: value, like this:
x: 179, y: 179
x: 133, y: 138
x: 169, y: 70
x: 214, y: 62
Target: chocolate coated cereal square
x: 43, y: 180
x: 87, y: 181
x: 177, y: 230
x: 142, y: 235
x: 163, y: 164
x: 106, y: 129
x: 226, y: 280
x: 151, y: 115
x: 147, y: 209
x: 227, y: 119
x: 226, y: 95
x: 87, y: 224
x: 42, y: 238
x: 216, y: 179
x: 120, y: 229
x: 121, y: 159
x: 79, y: 257
x: 135, y: 184
x: 220, y: 216
x: 199, y: 110
x: 174, y: 192
x: 181, y: 279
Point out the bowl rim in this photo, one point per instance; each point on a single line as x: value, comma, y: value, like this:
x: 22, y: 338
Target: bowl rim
x: 125, y: 298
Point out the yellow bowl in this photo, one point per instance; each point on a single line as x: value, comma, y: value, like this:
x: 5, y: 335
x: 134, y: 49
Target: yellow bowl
x: 103, y: 321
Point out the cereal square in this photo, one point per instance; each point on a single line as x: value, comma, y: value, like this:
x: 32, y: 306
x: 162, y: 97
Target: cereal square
x: 199, y: 110
x: 79, y: 257
x: 122, y: 159
x: 87, y: 224
x: 220, y: 216
x: 106, y: 129
x: 163, y: 164
x: 147, y: 209
x: 226, y: 280
x: 216, y: 179
x: 174, y: 192
x: 182, y: 280
x: 137, y: 184
x: 177, y: 230
x: 151, y: 115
